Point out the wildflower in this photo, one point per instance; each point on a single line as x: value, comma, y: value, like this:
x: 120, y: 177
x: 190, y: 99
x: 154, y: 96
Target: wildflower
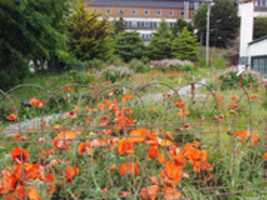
x: 152, y: 152
x: 125, y: 147
x: 171, y: 173
x: 254, y: 139
x: 33, y: 194
x: 265, y: 156
x: 7, y: 182
x: 11, y: 117
x: 83, y: 148
x: 241, y: 135
x: 149, y: 193
x: 129, y: 168
x: 70, y: 173
x: 170, y: 193
x: 36, y: 103
x: 20, y: 155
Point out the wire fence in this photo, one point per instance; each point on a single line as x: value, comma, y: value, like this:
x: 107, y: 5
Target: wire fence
x: 210, y: 116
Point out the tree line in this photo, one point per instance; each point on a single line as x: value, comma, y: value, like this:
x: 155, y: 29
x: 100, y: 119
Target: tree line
x: 48, y: 35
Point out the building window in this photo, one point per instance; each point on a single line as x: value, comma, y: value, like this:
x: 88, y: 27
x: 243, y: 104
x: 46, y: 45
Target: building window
x: 134, y: 12
x: 108, y: 11
x: 182, y: 13
x: 146, y: 12
x: 171, y: 13
x: 158, y: 13
x: 121, y: 12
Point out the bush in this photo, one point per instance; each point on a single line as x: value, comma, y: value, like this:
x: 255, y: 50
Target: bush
x: 95, y: 64
x: 170, y: 64
x: 129, y: 45
x: 138, y: 66
x: 232, y: 81
x: 160, y: 44
x: 114, y: 74
x: 185, y: 46
x: 82, y: 77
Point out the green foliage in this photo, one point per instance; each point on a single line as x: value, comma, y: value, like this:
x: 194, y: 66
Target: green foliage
x: 232, y: 81
x: 138, y: 66
x: 184, y: 47
x: 180, y: 25
x: 90, y: 37
x: 129, y: 45
x: 30, y: 30
x: 161, y: 42
x: 119, y: 25
x: 114, y: 74
x: 224, y: 23
x: 260, y: 27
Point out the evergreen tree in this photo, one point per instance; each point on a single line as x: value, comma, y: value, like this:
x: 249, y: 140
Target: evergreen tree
x: 224, y: 23
x: 160, y: 44
x: 185, y: 46
x: 129, y: 45
x: 90, y: 37
x: 179, y: 26
x: 119, y: 25
x: 30, y: 30
x: 260, y: 27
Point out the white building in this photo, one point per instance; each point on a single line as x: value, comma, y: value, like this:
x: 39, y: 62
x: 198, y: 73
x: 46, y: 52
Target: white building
x: 252, y: 52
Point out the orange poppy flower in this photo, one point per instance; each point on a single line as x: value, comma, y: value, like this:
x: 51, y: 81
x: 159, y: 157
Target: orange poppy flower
x: 169, y: 193
x: 265, y: 156
x: 11, y: 117
x: 20, y: 155
x: 7, y: 182
x: 125, y: 147
x: 28, y: 171
x: 254, y: 139
x: 171, y: 173
x: 241, y: 135
x: 84, y: 148
x: 33, y: 194
x: 152, y: 152
x: 70, y: 173
x: 49, y: 179
x: 20, y: 193
x: 129, y: 168
x: 67, y: 135
x: 149, y: 193
x: 36, y: 103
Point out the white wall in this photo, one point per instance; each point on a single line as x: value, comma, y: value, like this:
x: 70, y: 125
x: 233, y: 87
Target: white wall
x: 246, y: 12
x: 258, y: 49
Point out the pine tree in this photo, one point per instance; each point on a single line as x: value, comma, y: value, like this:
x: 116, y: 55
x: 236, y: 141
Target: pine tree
x: 119, y: 25
x: 90, y: 36
x: 185, y: 46
x: 179, y: 26
x: 129, y: 45
x: 160, y: 44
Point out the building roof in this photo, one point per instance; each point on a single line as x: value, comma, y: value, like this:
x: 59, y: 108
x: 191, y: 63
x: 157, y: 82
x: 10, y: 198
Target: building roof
x: 258, y: 40
x: 140, y: 3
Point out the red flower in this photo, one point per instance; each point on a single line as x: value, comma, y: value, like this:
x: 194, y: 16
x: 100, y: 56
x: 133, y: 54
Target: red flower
x: 129, y: 168
x: 36, y: 103
x: 20, y: 155
x: 71, y: 172
x: 11, y: 117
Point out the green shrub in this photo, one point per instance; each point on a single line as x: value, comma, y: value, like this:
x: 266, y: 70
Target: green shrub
x: 114, y: 74
x: 138, y: 66
x: 82, y: 77
x: 95, y: 64
x: 129, y: 45
x: 231, y: 81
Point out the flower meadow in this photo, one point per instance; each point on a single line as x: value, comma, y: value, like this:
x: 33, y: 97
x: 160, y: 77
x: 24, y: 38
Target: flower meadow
x: 114, y: 148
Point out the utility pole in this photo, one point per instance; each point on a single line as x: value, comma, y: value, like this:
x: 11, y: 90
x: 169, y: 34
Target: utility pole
x: 209, y: 2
